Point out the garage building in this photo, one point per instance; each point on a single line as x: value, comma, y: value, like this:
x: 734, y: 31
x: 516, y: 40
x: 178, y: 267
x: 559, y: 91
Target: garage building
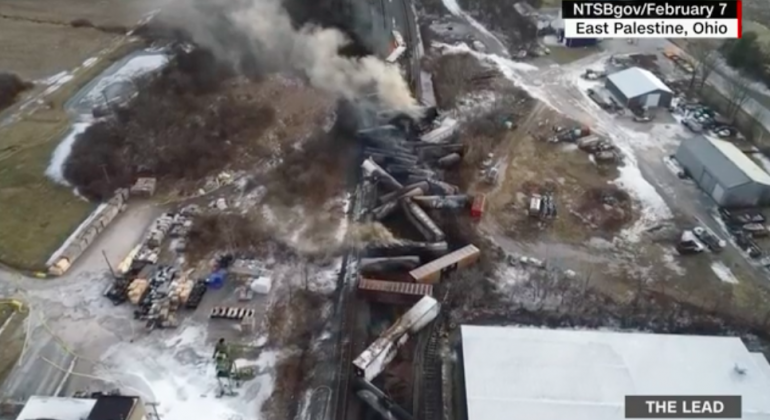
x: 638, y: 88
x: 724, y: 172
x: 541, y: 374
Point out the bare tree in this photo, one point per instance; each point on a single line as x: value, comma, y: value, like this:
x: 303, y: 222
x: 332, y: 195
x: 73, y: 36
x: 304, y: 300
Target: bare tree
x: 738, y: 91
x: 705, y: 53
x: 758, y: 130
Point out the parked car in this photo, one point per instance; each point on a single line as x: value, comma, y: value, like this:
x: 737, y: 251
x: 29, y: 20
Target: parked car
x: 689, y: 244
x: 712, y: 241
x: 693, y: 125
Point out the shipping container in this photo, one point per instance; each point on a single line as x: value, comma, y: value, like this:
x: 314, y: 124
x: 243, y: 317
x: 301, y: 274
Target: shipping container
x: 393, y: 292
x: 477, y: 209
x: 435, y: 270
x: 372, y: 361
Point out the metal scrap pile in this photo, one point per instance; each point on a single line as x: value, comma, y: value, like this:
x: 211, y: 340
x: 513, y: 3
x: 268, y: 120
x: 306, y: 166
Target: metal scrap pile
x: 161, y: 296
x: 405, y: 165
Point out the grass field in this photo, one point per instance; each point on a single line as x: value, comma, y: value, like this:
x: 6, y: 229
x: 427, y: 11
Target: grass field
x: 36, y: 215
x: 100, y: 12
x: 34, y: 50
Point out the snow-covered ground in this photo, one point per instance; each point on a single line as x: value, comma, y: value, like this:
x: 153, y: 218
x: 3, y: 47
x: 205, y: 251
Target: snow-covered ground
x: 132, y: 69
x: 454, y: 8
x: 55, y: 169
x: 178, y: 373
x: 56, y: 81
x: 112, y: 85
x: 723, y: 272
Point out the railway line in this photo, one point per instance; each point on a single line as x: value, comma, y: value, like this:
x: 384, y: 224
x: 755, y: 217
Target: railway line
x: 428, y: 400
x: 347, y: 307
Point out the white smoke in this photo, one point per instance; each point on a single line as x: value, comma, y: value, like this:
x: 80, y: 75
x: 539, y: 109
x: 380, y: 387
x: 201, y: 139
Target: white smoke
x: 264, y: 27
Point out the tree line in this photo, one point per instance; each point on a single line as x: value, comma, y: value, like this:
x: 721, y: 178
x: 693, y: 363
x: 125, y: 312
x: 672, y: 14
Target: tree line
x: 748, y: 56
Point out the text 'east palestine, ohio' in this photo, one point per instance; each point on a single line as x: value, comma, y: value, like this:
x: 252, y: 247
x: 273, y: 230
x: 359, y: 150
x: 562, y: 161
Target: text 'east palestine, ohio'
x: 641, y: 27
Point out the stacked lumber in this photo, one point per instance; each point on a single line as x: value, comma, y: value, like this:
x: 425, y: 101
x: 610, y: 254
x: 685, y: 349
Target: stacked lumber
x: 180, y: 291
x: 136, y: 290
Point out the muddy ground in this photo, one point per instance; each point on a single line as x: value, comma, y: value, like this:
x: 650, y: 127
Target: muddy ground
x: 27, y: 28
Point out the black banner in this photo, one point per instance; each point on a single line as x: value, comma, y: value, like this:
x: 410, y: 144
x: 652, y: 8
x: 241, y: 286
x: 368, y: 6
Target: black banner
x: 640, y: 9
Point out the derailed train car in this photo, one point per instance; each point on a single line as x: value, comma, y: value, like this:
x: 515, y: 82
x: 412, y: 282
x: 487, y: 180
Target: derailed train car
x: 372, y: 361
x: 435, y: 270
x: 393, y: 292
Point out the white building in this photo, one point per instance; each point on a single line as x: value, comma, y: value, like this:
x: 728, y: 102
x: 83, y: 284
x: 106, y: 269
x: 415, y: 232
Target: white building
x: 105, y: 407
x: 530, y: 373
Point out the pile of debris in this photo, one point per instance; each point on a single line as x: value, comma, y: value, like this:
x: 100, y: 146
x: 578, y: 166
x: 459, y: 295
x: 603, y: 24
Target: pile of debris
x: 699, y: 118
x: 602, y: 151
x: 605, y: 208
x: 160, y: 296
x: 158, y: 290
x: 406, y: 169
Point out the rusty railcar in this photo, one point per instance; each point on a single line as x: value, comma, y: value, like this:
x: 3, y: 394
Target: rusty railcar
x: 393, y: 292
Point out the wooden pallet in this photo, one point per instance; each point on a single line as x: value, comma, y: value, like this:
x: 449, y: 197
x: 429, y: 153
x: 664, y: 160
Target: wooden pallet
x: 230, y: 312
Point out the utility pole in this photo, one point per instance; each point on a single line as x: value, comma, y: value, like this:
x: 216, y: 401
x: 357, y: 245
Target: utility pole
x: 114, y: 275
x: 106, y: 175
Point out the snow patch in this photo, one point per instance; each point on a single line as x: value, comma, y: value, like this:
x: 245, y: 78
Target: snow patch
x: 55, y: 169
x: 670, y: 261
x: 178, y: 374
x: 56, y: 81
x: 133, y: 68
x: 512, y: 276
x: 653, y: 208
x: 325, y: 280
x: 723, y: 272
x: 90, y: 62
x: 454, y: 8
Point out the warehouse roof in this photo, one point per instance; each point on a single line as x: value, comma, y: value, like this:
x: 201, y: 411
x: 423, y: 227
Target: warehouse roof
x: 569, y: 374
x: 56, y: 408
x: 743, y: 162
x: 635, y: 81
x: 717, y: 154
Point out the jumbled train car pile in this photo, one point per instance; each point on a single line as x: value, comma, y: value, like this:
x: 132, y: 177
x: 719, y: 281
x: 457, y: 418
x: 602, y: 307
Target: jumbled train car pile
x: 405, y: 170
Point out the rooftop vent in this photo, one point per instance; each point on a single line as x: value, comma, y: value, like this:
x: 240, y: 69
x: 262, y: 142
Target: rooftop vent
x: 740, y: 370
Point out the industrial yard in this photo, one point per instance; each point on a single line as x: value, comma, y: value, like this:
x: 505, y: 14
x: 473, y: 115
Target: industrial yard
x: 382, y: 223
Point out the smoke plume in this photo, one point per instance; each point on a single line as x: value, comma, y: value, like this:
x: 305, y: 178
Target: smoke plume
x: 360, y: 235
x: 259, y: 35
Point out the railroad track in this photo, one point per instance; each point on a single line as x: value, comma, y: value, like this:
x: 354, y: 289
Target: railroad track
x: 411, y: 40
x: 348, y: 309
x: 431, y: 401
x: 347, y: 341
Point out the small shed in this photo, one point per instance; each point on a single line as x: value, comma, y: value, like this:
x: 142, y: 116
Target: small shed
x: 724, y: 172
x: 638, y: 88
x: 575, y: 42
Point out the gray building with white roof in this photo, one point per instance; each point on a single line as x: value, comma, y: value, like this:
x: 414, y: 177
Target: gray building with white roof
x: 724, y: 172
x: 543, y: 374
x: 639, y: 88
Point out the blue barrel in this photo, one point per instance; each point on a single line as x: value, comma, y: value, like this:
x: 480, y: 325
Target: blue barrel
x: 216, y: 279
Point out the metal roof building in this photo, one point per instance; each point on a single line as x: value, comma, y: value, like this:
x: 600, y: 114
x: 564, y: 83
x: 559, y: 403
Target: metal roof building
x: 636, y: 88
x: 724, y: 172
x: 544, y: 374
x: 104, y: 407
